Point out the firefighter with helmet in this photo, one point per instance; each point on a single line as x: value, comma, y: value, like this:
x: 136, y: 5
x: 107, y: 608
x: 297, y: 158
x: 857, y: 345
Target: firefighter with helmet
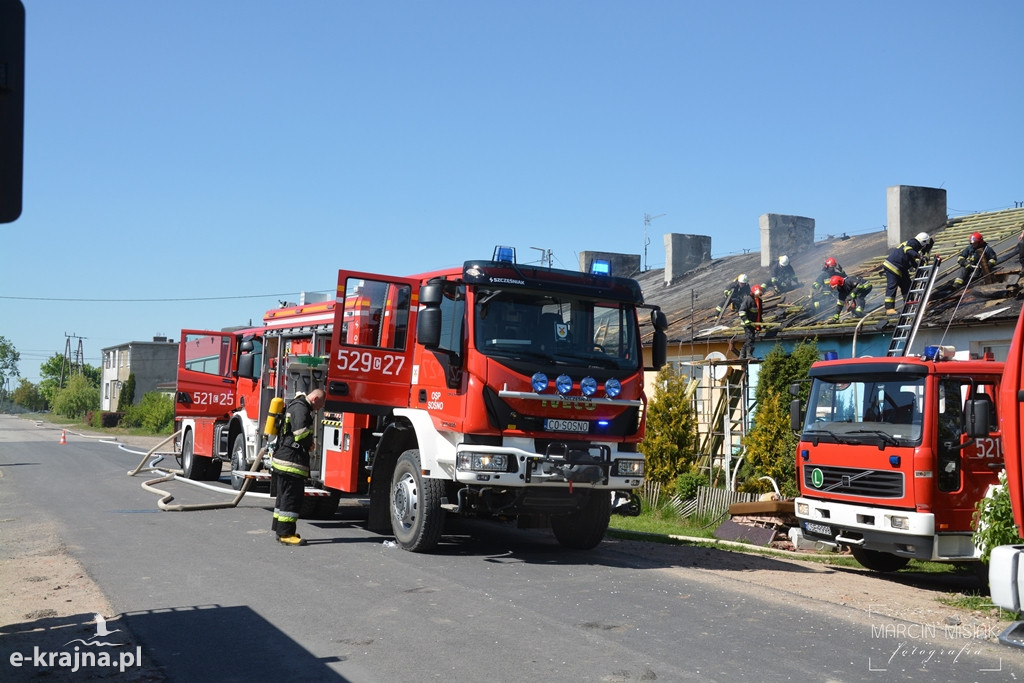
x: 750, y: 316
x: 820, y: 288
x: 783, y: 276
x: 738, y: 288
x: 290, y: 464
x: 900, y: 265
x: 976, y: 260
x: 853, y: 288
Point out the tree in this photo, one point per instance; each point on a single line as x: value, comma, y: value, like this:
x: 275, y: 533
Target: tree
x: 9, y: 358
x: 77, y: 398
x: 670, y: 442
x: 50, y: 371
x: 127, y: 397
x: 27, y: 396
x: 770, y: 445
x: 993, y: 521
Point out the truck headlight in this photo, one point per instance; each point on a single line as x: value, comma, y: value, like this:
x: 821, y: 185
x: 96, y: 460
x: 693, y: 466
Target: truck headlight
x: 899, y: 523
x: 629, y: 468
x: 803, y: 509
x: 482, y: 462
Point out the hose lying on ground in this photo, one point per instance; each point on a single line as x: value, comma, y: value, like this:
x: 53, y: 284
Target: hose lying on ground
x: 170, y: 475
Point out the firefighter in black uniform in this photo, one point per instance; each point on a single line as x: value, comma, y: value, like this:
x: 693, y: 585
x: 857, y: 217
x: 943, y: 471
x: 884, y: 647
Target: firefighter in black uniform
x: 849, y: 287
x: 738, y: 288
x: 750, y: 316
x: 783, y: 276
x: 900, y: 264
x: 820, y: 288
x: 976, y: 260
x: 290, y: 465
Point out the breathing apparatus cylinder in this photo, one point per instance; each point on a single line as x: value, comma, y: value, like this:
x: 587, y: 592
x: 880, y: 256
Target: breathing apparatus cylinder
x: 274, y: 415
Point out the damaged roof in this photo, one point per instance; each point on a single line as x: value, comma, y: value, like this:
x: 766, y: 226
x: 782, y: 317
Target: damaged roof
x: 690, y: 301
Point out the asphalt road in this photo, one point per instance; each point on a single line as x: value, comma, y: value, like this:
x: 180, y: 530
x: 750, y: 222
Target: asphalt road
x: 211, y: 596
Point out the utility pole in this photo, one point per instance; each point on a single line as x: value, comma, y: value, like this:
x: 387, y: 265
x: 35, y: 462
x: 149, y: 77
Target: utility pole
x: 71, y: 363
x: 647, y: 223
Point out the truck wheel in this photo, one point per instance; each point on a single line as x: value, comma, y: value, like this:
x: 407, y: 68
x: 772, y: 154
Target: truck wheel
x: 192, y: 467
x: 878, y: 561
x: 416, y: 516
x: 238, y: 461
x: 584, y: 529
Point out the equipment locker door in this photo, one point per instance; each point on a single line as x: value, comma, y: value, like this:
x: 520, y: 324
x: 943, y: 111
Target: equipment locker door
x: 371, y: 368
x: 206, y: 374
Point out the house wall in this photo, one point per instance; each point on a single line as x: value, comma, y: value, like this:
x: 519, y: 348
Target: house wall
x: 152, y: 362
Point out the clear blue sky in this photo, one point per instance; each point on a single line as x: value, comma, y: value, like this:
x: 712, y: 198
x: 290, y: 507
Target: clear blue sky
x: 184, y: 158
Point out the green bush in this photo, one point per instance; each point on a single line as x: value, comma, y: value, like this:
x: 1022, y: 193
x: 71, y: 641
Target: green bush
x: 156, y: 413
x: 77, y: 398
x: 993, y: 521
x: 688, y: 482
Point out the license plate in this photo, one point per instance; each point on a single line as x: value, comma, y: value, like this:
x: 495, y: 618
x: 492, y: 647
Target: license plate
x: 575, y: 426
x: 819, y: 529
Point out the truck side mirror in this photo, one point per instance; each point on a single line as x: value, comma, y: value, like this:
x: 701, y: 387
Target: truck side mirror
x: 796, y: 418
x: 977, y: 413
x: 428, y: 321
x: 659, y: 343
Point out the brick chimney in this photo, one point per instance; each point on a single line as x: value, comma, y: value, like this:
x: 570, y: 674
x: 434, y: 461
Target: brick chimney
x: 684, y: 253
x: 784, y: 235
x: 911, y: 210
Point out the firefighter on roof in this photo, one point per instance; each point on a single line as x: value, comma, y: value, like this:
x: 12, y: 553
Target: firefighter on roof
x: 821, y: 287
x: 750, y: 316
x: 738, y: 288
x: 852, y: 287
x: 900, y: 265
x: 976, y: 260
x: 290, y: 464
x: 783, y: 276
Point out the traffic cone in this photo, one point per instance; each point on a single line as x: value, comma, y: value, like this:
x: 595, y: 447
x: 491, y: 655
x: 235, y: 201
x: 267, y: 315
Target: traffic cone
x: 63, y: 437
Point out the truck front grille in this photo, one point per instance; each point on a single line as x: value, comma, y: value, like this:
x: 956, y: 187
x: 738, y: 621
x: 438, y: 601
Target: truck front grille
x: 851, y: 481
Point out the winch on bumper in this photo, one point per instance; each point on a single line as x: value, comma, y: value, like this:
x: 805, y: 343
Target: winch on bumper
x: 571, y: 462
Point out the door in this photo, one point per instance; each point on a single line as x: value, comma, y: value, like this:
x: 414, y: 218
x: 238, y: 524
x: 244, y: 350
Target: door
x: 371, y: 368
x: 206, y: 374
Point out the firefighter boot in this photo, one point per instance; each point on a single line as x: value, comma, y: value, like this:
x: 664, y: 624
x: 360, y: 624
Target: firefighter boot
x: 294, y: 539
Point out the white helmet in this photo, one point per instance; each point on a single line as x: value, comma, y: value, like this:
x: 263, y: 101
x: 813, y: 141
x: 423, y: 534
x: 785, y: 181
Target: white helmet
x: 783, y: 260
x: 922, y: 237
x: 742, y: 279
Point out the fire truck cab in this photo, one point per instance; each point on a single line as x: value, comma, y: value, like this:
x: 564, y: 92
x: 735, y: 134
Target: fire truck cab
x: 885, y: 464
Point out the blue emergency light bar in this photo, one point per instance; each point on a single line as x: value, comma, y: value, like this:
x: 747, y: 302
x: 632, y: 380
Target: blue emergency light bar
x: 504, y: 254
x: 600, y: 267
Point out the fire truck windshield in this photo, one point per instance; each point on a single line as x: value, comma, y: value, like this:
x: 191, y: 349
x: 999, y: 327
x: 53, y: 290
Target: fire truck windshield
x: 884, y: 409
x: 565, y: 329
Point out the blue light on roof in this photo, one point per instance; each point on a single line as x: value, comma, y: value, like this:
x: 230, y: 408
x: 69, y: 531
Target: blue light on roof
x: 504, y: 254
x: 600, y: 267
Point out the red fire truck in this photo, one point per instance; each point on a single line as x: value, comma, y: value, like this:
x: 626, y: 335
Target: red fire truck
x: 884, y: 463
x: 496, y: 389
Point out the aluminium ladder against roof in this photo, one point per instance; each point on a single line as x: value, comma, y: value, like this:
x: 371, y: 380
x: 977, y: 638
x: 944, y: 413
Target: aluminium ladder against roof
x: 914, y: 305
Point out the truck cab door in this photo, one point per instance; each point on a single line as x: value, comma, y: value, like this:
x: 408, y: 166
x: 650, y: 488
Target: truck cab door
x: 206, y: 374
x: 371, y: 369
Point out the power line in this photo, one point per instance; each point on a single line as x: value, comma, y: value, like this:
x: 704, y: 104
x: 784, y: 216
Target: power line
x: 198, y: 298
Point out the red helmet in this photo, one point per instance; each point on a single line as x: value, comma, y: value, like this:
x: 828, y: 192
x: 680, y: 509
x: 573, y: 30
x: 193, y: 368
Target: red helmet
x: 830, y: 262
x: 756, y: 290
x: 836, y: 281
x: 977, y: 240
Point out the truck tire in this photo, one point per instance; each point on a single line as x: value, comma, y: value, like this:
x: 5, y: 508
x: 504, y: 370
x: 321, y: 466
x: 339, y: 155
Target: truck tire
x: 878, y: 561
x: 238, y: 461
x: 192, y: 466
x: 584, y: 529
x: 415, y: 502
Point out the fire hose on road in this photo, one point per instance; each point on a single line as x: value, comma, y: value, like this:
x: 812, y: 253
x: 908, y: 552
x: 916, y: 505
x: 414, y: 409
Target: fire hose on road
x: 176, y: 474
